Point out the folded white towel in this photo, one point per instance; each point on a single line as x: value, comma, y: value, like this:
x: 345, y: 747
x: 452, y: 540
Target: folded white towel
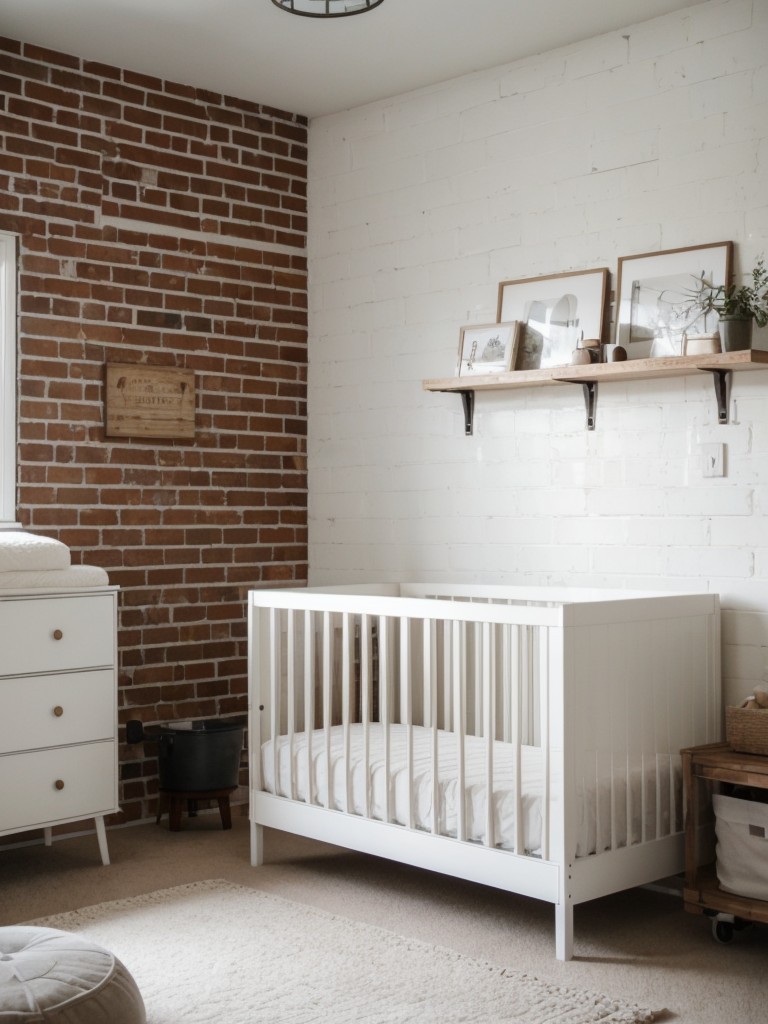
x: 20, y: 550
x: 54, y: 579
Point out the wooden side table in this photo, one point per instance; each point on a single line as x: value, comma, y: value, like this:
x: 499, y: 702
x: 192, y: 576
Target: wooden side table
x: 706, y: 768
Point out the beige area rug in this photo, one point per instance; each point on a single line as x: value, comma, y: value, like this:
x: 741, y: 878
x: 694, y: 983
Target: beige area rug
x: 218, y: 952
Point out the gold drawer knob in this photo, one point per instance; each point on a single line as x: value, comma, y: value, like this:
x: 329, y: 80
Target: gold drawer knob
x: 59, y: 783
x: 58, y: 711
x: 57, y: 634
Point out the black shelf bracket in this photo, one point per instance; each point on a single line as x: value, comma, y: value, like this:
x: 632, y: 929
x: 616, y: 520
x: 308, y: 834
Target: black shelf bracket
x: 590, y: 401
x: 468, y: 401
x: 467, y: 396
x: 722, y: 382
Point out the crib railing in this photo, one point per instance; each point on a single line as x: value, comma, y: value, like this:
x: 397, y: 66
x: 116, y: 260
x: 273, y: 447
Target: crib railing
x: 607, y: 692
x: 448, y: 667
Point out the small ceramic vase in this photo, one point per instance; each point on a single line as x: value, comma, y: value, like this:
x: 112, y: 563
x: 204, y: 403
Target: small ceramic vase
x: 700, y: 344
x: 587, y: 351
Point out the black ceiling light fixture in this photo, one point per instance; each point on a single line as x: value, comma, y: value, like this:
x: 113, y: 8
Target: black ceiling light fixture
x: 326, y: 8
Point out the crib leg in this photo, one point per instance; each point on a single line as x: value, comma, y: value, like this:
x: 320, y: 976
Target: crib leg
x: 564, y: 930
x: 257, y: 845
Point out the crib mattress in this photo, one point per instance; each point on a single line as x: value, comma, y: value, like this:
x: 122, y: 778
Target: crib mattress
x: 650, y: 791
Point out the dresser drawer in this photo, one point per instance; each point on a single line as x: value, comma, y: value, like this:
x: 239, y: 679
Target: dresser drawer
x: 28, y: 785
x: 49, y: 711
x: 54, y: 634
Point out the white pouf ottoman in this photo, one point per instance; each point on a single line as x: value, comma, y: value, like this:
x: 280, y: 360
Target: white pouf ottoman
x: 49, y: 975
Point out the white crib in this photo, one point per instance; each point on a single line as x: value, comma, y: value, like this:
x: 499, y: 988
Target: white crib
x: 524, y: 738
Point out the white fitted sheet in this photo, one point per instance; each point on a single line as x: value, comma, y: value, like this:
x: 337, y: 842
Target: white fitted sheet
x: 597, y: 828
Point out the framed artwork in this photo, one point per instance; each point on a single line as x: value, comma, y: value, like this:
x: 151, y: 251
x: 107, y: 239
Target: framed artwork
x: 557, y: 311
x: 487, y: 348
x: 656, y: 297
x: 149, y: 401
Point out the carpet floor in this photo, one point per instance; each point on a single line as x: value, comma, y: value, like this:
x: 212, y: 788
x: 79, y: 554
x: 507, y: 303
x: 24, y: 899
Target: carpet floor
x: 212, y: 951
x: 638, y: 946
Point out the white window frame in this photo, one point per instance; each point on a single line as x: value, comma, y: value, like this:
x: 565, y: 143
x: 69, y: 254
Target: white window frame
x: 8, y: 342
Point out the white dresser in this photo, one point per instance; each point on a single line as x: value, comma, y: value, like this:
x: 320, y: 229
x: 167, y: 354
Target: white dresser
x: 58, y: 709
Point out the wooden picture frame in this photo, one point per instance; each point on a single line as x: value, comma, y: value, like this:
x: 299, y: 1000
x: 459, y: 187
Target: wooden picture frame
x: 149, y: 401
x: 655, y: 297
x: 487, y: 348
x: 558, y: 311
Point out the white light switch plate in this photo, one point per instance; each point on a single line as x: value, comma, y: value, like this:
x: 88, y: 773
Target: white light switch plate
x: 713, y: 459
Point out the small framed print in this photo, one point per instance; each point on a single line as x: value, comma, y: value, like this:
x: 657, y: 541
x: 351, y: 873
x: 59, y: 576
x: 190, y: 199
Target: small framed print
x: 487, y: 348
x: 558, y: 310
x: 656, y: 297
x: 149, y: 401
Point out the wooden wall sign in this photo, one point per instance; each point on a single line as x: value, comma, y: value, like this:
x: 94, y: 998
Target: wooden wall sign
x: 149, y: 401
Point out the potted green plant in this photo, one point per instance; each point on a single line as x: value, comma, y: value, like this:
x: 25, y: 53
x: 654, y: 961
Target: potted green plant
x: 738, y: 306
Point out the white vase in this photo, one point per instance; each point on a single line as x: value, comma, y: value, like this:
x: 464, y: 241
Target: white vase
x: 700, y: 344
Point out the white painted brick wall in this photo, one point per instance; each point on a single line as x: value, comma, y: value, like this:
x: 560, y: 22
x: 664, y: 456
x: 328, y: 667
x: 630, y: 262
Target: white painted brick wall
x: 649, y: 138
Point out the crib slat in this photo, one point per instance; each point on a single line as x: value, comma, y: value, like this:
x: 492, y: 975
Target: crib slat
x: 459, y: 706
x: 626, y: 729
x: 290, y: 682
x: 585, y: 796
x: 427, y: 667
x: 541, y: 683
x: 346, y: 693
x: 532, y: 694
x: 477, y: 676
x: 366, y: 676
x: 628, y: 789
x: 430, y: 686
x: 662, y: 799
x: 677, y: 717
x: 274, y: 687
x: 510, y: 692
x: 612, y: 778
x: 384, y: 633
x: 327, y: 704
x: 489, y: 728
x: 647, y: 753
x: 617, y: 713
x: 447, y: 683
x: 309, y: 698
x: 516, y: 707
x: 406, y: 713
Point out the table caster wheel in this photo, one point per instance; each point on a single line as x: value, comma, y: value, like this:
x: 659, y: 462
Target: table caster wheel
x: 722, y: 931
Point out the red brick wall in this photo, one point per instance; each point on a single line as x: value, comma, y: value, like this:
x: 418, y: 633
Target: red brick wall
x: 166, y: 225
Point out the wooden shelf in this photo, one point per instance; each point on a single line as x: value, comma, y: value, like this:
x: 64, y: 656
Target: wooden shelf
x: 703, y: 768
x: 720, y: 366
x: 704, y: 896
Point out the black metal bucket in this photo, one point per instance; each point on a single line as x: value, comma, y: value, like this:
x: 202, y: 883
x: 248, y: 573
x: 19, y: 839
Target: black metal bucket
x: 199, y: 756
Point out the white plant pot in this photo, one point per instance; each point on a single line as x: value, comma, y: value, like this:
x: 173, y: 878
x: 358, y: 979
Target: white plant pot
x: 701, y: 344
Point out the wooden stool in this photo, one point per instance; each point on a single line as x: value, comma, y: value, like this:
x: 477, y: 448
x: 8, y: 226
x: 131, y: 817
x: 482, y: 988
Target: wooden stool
x: 173, y: 801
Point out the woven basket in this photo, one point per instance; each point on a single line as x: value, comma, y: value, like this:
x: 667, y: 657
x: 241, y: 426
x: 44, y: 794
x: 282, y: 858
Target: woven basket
x: 746, y: 729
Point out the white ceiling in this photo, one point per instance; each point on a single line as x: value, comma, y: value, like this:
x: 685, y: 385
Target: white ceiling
x: 253, y: 50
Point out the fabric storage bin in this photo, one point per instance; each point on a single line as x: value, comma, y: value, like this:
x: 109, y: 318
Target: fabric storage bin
x: 741, y: 827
